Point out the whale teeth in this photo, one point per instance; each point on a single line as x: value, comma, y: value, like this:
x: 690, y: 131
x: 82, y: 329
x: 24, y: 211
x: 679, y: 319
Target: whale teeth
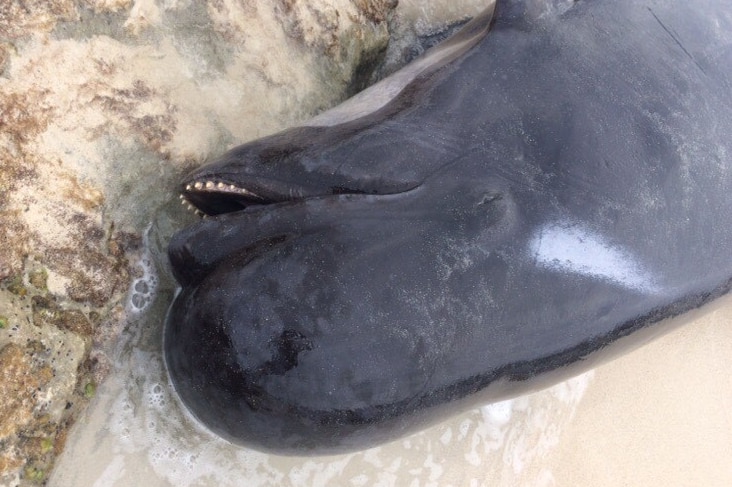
x: 191, y: 207
x: 220, y: 186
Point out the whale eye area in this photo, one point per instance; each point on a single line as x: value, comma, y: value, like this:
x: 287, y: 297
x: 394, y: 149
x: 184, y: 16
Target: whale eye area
x: 210, y: 198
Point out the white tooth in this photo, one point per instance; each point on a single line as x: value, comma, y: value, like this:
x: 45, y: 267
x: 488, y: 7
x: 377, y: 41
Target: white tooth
x: 188, y: 187
x: 199, y: 185
x: 232, y: 187
x: 209, y: 184
x: 183, y: 202
x: 191, y: 208
x: 221, y: 185
x: 181, y: 197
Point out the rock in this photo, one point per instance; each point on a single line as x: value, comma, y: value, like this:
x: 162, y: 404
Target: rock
x: 22, y: 382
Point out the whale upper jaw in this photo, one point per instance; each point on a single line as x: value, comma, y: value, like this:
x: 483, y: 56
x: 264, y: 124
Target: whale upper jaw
x: 281, y: 167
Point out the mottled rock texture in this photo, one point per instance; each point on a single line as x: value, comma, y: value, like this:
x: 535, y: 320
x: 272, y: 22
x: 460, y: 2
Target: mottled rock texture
x: 103, y: 104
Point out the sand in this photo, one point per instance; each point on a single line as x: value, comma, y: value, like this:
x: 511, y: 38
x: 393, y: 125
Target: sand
x: 659, y: 416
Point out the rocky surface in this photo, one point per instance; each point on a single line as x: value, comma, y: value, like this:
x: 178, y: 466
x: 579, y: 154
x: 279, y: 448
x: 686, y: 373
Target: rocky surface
x: 103, y: 104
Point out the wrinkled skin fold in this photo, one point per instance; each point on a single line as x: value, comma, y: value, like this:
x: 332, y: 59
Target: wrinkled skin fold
x: 552, y: 184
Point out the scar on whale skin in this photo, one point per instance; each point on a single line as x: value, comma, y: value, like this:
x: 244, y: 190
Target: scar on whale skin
x: 531, y: 198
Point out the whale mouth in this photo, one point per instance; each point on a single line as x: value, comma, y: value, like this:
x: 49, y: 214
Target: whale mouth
x: 215, y: 197
x: 211, y: 197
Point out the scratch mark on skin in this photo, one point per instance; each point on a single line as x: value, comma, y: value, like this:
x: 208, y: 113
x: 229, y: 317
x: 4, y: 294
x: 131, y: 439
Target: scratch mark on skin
x: 676, y: 40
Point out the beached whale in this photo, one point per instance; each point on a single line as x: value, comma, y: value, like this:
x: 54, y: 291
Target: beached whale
x: 531, y: 198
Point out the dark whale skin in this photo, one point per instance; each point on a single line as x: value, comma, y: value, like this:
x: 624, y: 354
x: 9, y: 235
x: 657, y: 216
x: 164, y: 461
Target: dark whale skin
x: 532, y: 206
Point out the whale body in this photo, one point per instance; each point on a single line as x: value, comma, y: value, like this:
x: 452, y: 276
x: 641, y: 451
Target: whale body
x: 533, y: 197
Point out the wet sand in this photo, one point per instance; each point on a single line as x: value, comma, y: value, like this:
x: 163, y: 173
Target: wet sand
x: 659, y: 416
